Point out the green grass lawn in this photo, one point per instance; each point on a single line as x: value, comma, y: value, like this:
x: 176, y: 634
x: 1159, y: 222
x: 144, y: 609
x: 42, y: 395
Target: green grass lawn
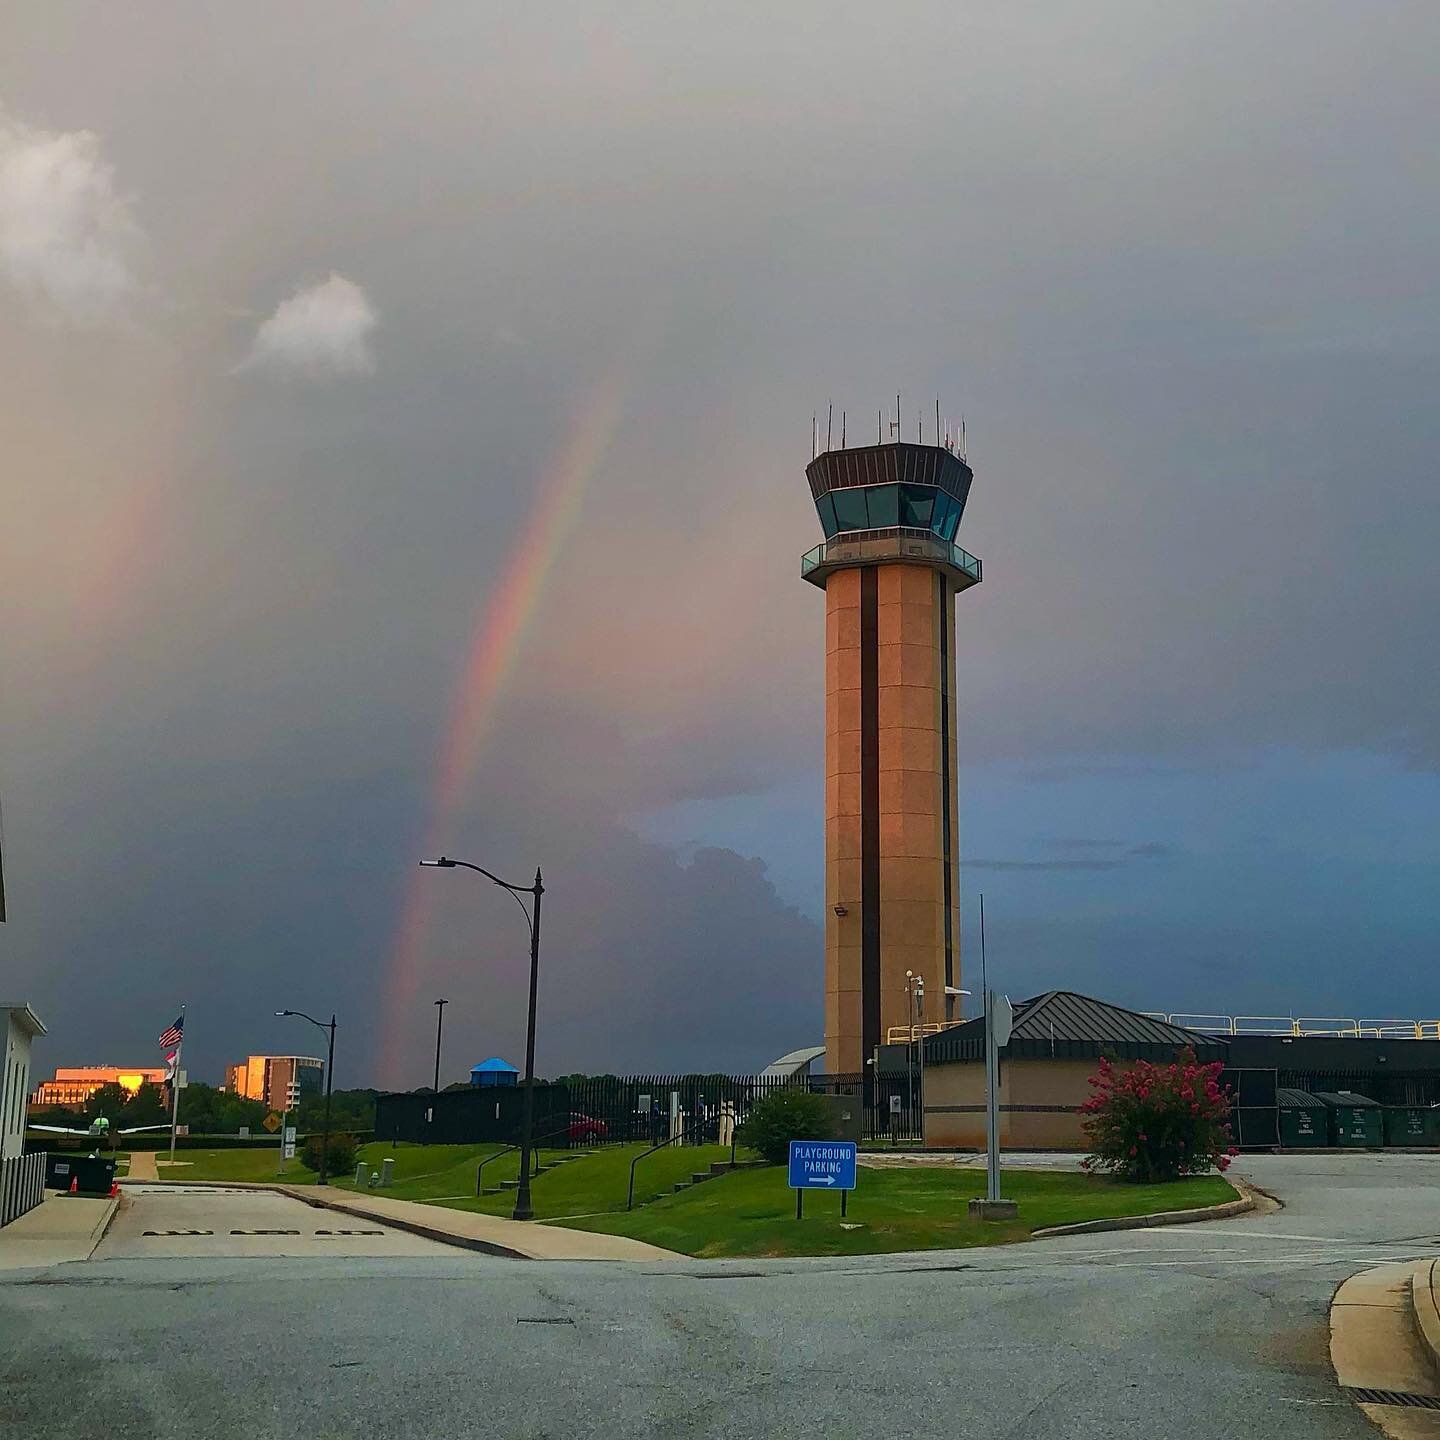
x: 259, y: 1165
x: 752, y: 1212
x: 589, y: 1181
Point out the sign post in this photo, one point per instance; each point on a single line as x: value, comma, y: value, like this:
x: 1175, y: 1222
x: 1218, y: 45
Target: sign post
x: 999, y: 1022
x: 822, y: 1165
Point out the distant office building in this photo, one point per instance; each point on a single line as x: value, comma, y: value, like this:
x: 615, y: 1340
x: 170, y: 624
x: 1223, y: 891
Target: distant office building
x: 493, y: 1071
x: 73, y: 1085
x: 279, y: 1080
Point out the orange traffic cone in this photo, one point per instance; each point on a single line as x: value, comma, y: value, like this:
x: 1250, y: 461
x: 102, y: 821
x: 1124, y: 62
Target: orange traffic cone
x: 74, y: 1184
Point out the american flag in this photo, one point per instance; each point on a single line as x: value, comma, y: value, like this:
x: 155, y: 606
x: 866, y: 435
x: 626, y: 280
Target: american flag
x: 174, y: 1033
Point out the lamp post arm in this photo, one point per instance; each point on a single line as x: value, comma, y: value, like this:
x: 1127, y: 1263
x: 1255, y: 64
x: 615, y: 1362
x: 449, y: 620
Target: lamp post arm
x: 481, y: 870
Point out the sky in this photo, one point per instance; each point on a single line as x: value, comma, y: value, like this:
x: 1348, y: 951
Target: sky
x: 405, y: 417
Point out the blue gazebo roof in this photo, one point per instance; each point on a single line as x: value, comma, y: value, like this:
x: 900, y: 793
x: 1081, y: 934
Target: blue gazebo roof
x: 494, y: 1065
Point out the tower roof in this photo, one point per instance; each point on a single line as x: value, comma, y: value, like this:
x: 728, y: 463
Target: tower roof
x: 902, y: 463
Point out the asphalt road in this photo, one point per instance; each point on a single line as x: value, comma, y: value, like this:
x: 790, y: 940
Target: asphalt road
x: 1204, y: 1332
x: 156, y: 1221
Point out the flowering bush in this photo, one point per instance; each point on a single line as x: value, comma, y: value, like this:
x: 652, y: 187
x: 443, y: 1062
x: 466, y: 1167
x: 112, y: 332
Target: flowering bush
x: 1157, y: 1122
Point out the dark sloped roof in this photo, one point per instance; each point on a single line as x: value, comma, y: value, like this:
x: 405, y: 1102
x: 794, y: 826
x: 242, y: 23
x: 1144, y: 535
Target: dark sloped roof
x: 1067, y: 1025
x: 1068, y: 1016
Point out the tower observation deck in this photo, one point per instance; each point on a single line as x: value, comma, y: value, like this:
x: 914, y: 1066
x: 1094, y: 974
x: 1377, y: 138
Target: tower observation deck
x: 890, y: 569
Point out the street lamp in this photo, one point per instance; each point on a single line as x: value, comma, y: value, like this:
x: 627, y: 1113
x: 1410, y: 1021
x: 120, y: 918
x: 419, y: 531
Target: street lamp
x: 329, y: 1081
x: 915, y: 990
x: 439, y: 1025
x: 522, y: 1209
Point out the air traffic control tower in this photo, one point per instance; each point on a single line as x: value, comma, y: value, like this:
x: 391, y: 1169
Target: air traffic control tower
x: 890, y: 570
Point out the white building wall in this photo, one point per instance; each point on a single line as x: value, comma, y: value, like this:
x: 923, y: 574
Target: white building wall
x: 14, y: 1086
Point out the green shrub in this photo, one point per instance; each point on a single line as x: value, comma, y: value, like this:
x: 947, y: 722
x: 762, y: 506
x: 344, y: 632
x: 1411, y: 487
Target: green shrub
x: 787, y: 1114
x: 340, y: 1158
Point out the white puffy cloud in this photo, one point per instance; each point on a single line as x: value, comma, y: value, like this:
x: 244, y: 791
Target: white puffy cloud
x: 320, y: 331
x: 67, y: 238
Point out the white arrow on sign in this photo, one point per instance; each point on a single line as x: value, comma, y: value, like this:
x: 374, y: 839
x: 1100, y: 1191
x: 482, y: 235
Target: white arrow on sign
x: 828, y: 1180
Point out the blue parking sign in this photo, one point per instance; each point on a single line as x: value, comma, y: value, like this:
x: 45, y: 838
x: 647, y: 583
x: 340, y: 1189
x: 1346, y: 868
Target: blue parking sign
x: 822, y: 1164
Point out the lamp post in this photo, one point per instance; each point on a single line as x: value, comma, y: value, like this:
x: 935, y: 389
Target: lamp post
x: 329, y: 1081
x: 439, y: 1026
x: 910, y: 1047
x: 522, y: 1209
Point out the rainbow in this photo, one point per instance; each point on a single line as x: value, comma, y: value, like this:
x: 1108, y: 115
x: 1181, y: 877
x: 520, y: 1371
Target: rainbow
x: 497, y: 636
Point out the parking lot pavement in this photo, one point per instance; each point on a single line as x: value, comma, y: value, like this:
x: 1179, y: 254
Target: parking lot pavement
x: 209, y: 1221
x: 1217, y: 1331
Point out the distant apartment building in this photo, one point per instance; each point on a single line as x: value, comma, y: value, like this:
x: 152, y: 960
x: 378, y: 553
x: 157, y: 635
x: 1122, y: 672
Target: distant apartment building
x: 73, y: 1085
x: 279, y: 1080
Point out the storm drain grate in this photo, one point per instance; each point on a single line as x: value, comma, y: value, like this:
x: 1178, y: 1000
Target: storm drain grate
x: 1392, y: 1397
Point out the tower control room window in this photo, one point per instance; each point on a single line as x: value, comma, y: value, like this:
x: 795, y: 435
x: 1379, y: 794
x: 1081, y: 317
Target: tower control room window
x: 915, y: 504
x: 883, y: 503
x: 850, y: 512
x: 826, y: 506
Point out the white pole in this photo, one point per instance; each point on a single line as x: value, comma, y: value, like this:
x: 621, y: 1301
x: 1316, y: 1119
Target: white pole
x: 920, y: 1015
x: 175, y: 1085
x: 992, y: 1102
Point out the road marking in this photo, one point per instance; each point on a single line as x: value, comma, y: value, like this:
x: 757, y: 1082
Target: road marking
x: 177, y: 1232
x: 346, y: 1232
x: 264, y: 1232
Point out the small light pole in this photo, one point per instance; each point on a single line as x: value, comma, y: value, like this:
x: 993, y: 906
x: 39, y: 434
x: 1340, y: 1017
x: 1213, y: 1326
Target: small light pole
x: 329, y: 1081
x: 523, y: 1210
x: 920, y: 1017
x: 439, y: 1026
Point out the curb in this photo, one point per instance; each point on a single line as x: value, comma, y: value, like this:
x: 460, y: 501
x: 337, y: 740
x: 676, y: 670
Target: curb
x: 1422, y: 1298
x: 426, y: 1232
x: 1223, y: 1211
x: 102, y: 1225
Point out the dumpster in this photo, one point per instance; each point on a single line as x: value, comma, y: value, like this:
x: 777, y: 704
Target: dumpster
x: 1356, y: 1121
x: 90, y: 1174
x: 59, y: 1169
x: 1304, y: 1120
x: 1411, y: 1125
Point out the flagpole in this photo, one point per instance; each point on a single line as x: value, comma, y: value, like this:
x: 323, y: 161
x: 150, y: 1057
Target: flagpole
x: 175, y: 1085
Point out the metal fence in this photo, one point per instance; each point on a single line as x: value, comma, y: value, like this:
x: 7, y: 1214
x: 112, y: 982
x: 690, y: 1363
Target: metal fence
x: 619, y: 1109
x: 22, y: 1185
x: 652, y: 1107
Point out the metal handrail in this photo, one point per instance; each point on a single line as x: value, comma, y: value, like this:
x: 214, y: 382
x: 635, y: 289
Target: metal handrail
x: 1339, y: 1026
x: 957, y: 555
x: 511, y: 1148
x: 680, y: 1135
x: 906, y: 1034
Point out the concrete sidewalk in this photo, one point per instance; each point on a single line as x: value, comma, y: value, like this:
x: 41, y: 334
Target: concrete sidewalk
x: 142, y: 1166
x: 60, y: 1229
x: 517, y: 1239
x: 1383, y: 1338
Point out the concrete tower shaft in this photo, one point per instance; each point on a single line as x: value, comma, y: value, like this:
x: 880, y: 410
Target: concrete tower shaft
x: 891, y: 822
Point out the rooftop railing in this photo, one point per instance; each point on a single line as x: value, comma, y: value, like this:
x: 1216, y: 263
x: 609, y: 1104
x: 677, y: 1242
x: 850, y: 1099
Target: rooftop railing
x: 1304, y: 1025
x: 923, y: 544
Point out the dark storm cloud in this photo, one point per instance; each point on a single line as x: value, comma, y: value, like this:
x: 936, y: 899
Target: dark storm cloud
x: 1175, y: 267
